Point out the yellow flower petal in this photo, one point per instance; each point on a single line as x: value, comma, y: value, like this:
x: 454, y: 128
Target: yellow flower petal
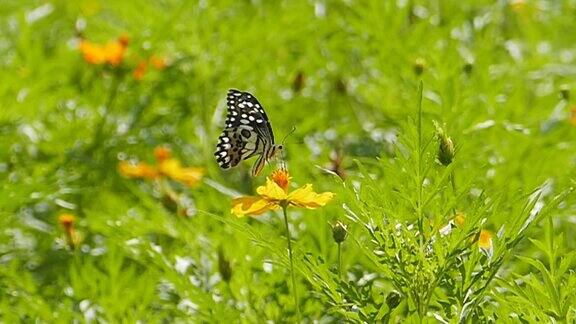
x: 174, y: 170
x: 271, y: 191
x: 485, y: 240
x: 251, y: 206
x: 307, y: 198
x: 140, y: 170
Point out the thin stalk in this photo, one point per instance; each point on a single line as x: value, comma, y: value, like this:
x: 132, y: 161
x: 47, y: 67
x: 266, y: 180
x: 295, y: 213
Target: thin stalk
x: 289, y: 239
x: 97, y: 137
x: 453, y: 182
x: 340, y: 260
x: 419, y: 171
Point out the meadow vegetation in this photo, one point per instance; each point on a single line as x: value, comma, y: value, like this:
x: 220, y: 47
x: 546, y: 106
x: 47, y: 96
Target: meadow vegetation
x: 439, y: 138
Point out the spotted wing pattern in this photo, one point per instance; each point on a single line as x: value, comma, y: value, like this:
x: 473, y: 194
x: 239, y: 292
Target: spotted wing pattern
x: 247, y: 132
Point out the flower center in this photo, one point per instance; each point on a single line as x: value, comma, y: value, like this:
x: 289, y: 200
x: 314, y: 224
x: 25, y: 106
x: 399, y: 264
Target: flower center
x: 281, y: 178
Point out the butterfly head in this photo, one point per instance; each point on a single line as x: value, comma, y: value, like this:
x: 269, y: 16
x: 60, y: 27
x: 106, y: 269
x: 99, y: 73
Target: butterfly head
x: 277, y: 150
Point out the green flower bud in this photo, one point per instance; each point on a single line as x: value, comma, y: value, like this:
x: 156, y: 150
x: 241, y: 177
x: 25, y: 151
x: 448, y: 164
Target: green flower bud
x: 419, y: 66
x: 224, y: 266
x: 446, y: 149
x: 339, y: 232
x: 565, y: 92
x: 393, y: 299
x: 468, y: 67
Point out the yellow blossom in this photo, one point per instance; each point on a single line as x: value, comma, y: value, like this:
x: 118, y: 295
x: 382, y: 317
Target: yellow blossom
x: 172, y: 168
x: 140, y: 170
x: 485, y: 240
x: 166, y: 167
x: 459, y: 219
x: 274, y: 194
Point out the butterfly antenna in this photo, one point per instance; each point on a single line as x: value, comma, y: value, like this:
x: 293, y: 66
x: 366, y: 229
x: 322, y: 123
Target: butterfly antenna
x: 289, y: 133
x: 282, y: 157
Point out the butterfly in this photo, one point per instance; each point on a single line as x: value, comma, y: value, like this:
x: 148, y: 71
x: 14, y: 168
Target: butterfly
x: 247, y: 133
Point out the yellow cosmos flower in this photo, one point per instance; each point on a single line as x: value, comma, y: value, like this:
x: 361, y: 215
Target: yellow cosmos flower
x: 485, y: 240
x: 274, y: 194
x: 166, y: 167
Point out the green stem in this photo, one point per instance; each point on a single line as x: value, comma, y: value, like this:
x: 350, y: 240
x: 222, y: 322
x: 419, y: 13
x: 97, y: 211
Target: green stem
x: 419, y: 171
x: 453, y: 182
x: 340, y: 260
x: 289, y: 239
x: 97, y: 137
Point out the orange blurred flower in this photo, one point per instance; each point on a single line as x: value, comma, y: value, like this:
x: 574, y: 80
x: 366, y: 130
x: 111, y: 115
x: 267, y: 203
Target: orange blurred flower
x: 110, y: 53
x: 573, y: 115
x: 166, y: 167
x: 274, y: 194
x: 140, y: 70
x: 158, y: 62
x: 67, y: 222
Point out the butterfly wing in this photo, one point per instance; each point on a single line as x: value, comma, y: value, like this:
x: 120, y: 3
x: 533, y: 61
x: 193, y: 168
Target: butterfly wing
x: 247, y: 132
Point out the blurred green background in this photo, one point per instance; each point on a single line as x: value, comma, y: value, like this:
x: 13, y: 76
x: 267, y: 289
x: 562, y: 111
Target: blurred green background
x: 498, y: 75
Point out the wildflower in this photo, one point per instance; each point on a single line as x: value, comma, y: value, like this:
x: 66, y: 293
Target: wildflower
x: 419, y: 66
x: 339, y: 232
x: 573, y: 116
x: 485, y: 240
x: 140, y: 70
x: 459, y: 219
x: 67, y: 221
x: 158, y: 62
x: 140, y: 170
x: 446, y: 149
x: 111, y: 53
x: 166, y: 167
x: 274, y: 194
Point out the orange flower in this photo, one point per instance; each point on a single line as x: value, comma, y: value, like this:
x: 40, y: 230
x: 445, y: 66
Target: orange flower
x: 67, y: 221
x: 274, y: 194
x: 573, y: 116
x: 162, y: 153
x: 166, y: 167
x: 140, y: 70
x: 158, y: 62
x: 111, y: 53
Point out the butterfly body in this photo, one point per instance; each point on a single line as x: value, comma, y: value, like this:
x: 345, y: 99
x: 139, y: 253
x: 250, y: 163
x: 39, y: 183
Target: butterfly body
x: 247, y: 133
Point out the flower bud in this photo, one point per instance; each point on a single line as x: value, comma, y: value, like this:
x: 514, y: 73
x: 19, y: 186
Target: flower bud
x: 565, y: 92
x: 468, y: 67
x: 224, y: 266
x: 393, y: 299
x: 339, y: 232
x: 446, y: 149
x: 419, y: 66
